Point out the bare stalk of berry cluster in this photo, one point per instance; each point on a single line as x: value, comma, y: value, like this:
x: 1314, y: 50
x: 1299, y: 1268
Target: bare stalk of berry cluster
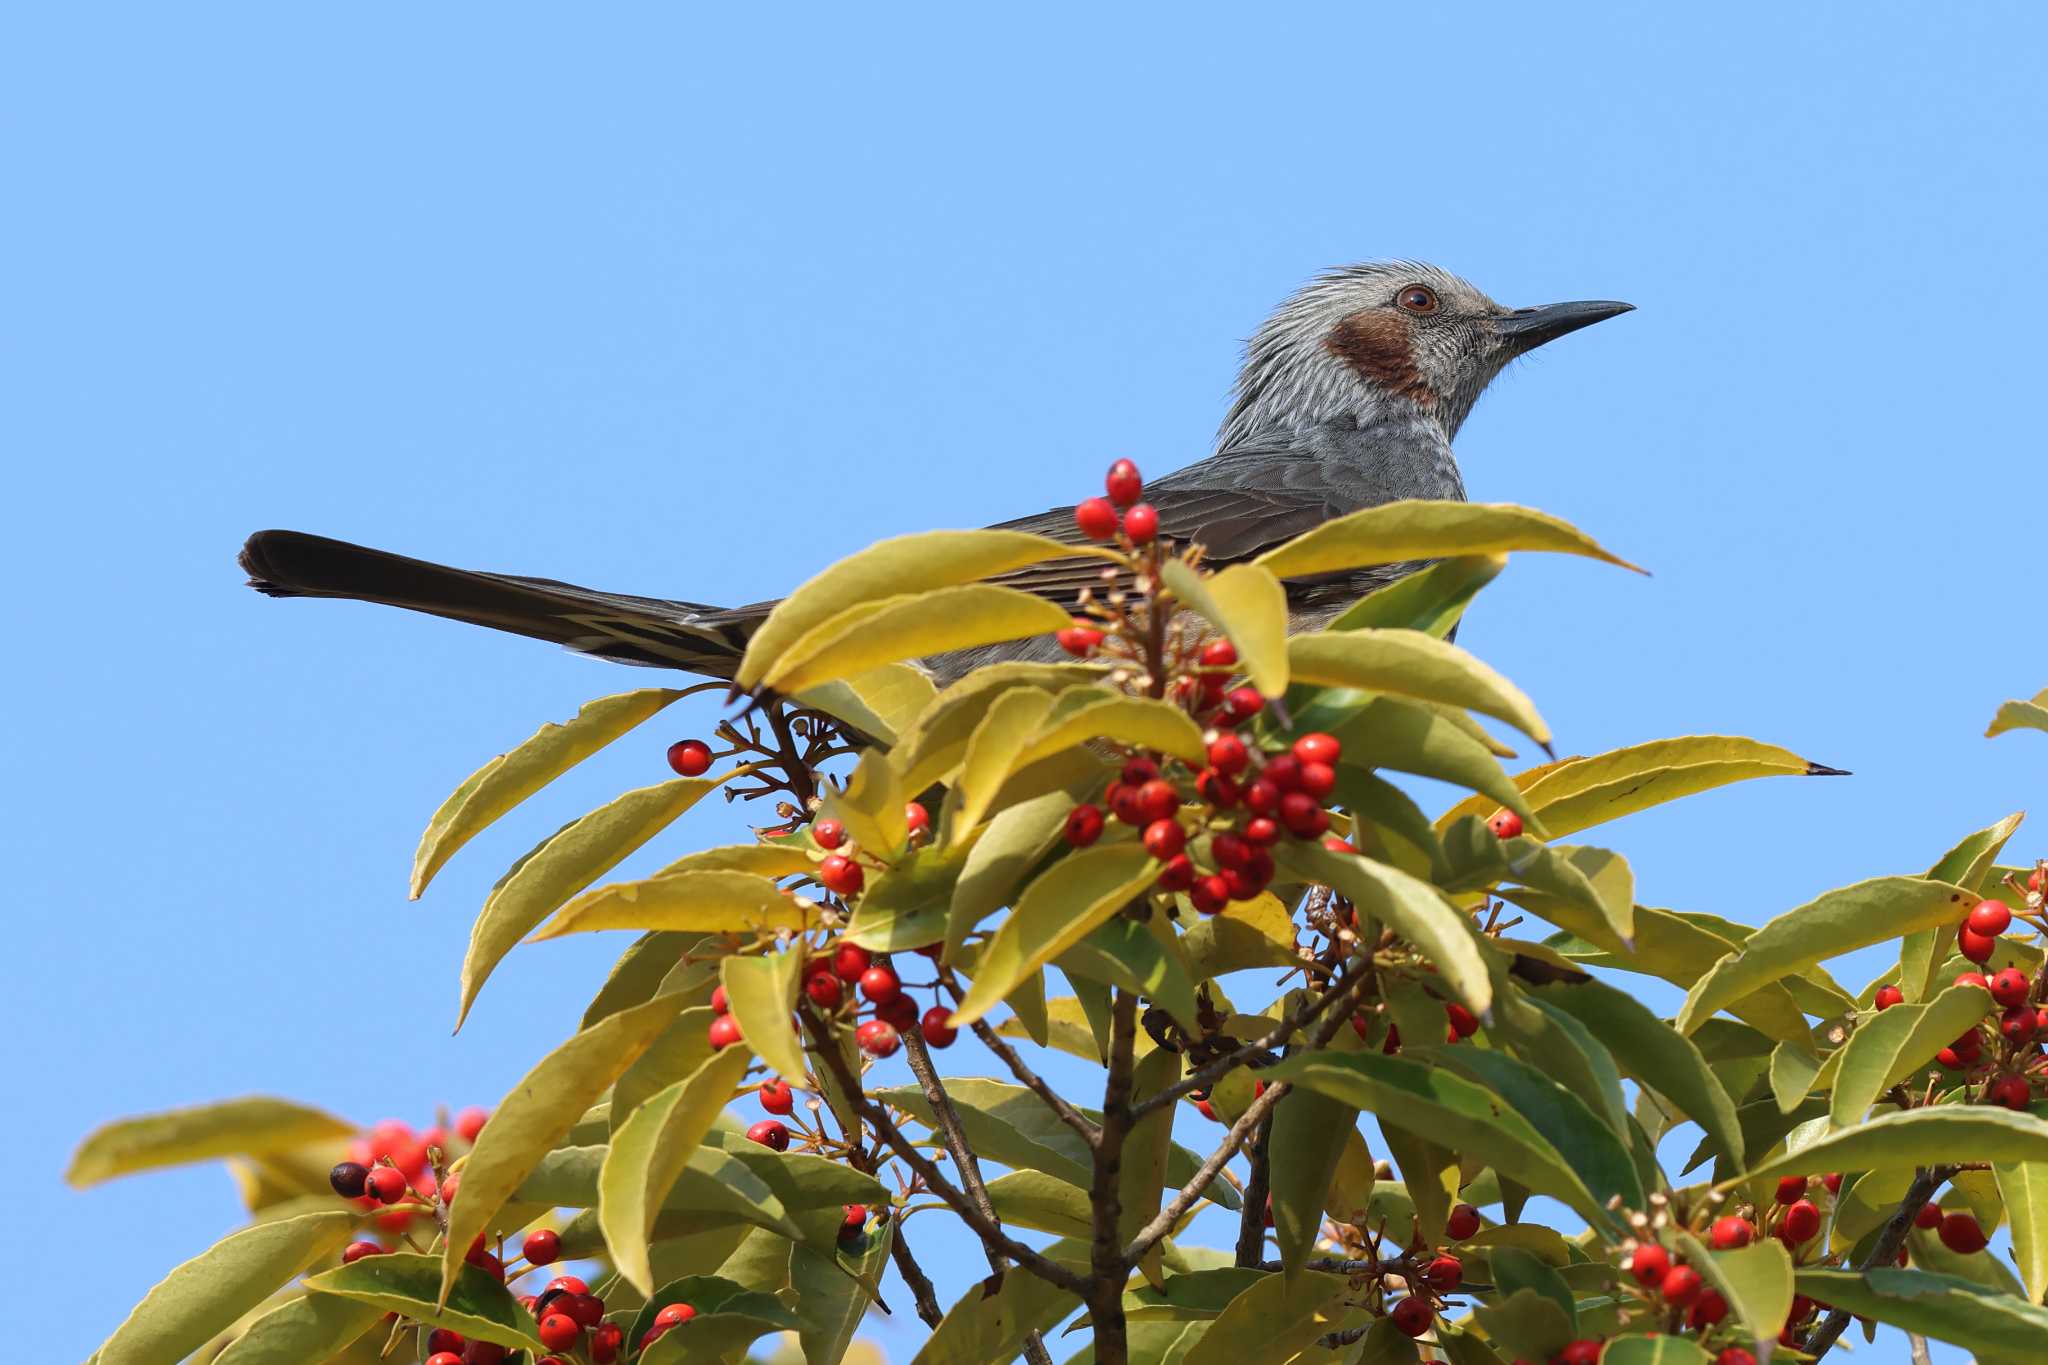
x: 1926, y: 1181
x: 1106, y: 1292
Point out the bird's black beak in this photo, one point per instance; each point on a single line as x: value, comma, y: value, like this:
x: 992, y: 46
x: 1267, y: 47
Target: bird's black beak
x: 1527, y: 328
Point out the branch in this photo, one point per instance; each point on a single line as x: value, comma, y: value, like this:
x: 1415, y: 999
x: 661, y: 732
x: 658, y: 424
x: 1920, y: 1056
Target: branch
x: 1926, y: 1181
x: 1032, y: 1081
x: 1251, y: 1220
x: 928, y: 1310
x: 1105, y: 1300
x: 1206, y: 1174
x: 947, y: 1120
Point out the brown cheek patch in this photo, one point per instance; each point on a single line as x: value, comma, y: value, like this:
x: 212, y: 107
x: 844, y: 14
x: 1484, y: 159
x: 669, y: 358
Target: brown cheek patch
x: 1374, y: 343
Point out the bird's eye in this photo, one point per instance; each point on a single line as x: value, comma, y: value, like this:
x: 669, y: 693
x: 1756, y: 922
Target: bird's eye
x: 1417, y: 299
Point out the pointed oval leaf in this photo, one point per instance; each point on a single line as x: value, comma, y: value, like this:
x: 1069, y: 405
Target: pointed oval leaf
x: 878, y: 703
x: 763, y: 860
x: 1756, y: 1281
x: 1409, y: 737
x: 729, y: 1317
x: 906, y: 906
x: 510, y: 778
x: 1967, y: 864
x: 1408, y: 905
x: 1056, y: 911
x: 830, y: 1293
x: 1043, y: 1203
x: 648, y: 1153
x: 993, y: 751
x: 476, y: 1304
x: 761, y: 993
x: 309, y: 1327
x: 1247, y: 934
x: 871, y: 805
x: 1247, y: 604
x: 1995, y: 1326
x: 1573, y: 1130
x: 1915, y: 1137
x: 912, y: 626
x: 1419, y: 529
x: 987, y: 1325
x: 1016, y: 841
x: 1310, y: 1132
x: 538, y: 1112
x: 2023, y: 1185
x: 1083, y: 714
x: 1657, y: 1348
x: 889, y: 568
x: 249, y: 1126
x: 1141, y: 1173
x: 1891, y: 1045
x: 210, y: 1293
x: 1840, y: 921
x: 700, y: 901
x: 933, y: 745
x: 1408, y: 663
x: 1431, y: 600
x: 2020, y: 715
x: 1275, y: 1317
x: 571, y: 859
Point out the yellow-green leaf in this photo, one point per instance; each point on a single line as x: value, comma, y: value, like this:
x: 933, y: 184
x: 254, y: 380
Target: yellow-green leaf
x: 2023, y: 1185
x: 2020, y: 715
x: 648, y: 1153
x: 1431, y: 599
x: 510, y: 778
x: 992, y: 754
x: 763, y: 860
x: 1014, y: 842
x: 1409, y: 906
x: 701, y: 901
x: 1915, y: 1137
x: 538, y: 1112
x: 1044, y: 1203
x: 1893, y: 1044
x: 1418, y: 529
x: 1246, y: 603
x: 1412, y: 737
x: 933, y: 744
x: 761, y: 993
x: 912, y: 626
x: 1408, y: 663
x: 1055, y: 912
x: 878, y: 703
x: 1276, y: 1316
x: 1653, y: 1348
x: 987, y: 1326
x: 1141, y: 1175
x: 1309, y: 1134
x: 310, y: 1327
x: 1756, y: 1281
x: 1967, y: 864
x: 871, y: 805
x: 1247, y: 934
x: 1841, y: 921
x: 571, y: 859
x: 1994, y: 1326
x: 472, y: 1302
x: 1081, y: 714
x: 210, y: 1293
x: 250, y: 1126
x: 901, y: 565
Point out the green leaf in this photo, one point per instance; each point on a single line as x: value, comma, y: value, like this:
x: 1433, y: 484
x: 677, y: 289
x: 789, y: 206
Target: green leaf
x: 1016, y: 841
x: 212, y: 1291
x: 639, y: 973
x: 510, y: 778
x: 1429, y: 1181
x: 475, y: 1304
x: 648, y: 1153
x: 1516, y: 1270
x: 761, y: 993
x: 1081, y: 714
x: 871, y: 806
x: 1415, y: 529
x: 1308, y: 1138
x: 1840, y: 921
x: 1409, y: 906
x: 698, y: 901
x: 1141, y: 1174
x: 1655, y: 1054
x: 682, y: 1047
x: 1588, y: 1145
x: 1793, y: 1067
x: 1653, y: 1348
x: 1889, y: 1046
x: 1056, y: 911
x: 1943, y: 1307
x: 1123, y: 952
x: 1756, y: 1281
x: 1278, y: 1315
x: 1917, y: 1137
x: 902, y: 565
x: 829, y: 1299
x: 1410, y: 737
x: 1408, y: 663
x: 2024, y: 1187
x: 1248, y: 605
x: 1448, y: 1110
x: 1043, y: 1203
x: 310, y: 1327
x: 2020, y: 715
x: 1525, y: 1323
x: 1577, y: 793
x: 1246, y: 934
x: 250, y: 1126
x: 910, y: 626
x: 570, y: 859
x: 1475, y: 858
x: 992, y: 754
x: 1431, y: 600
x: 879, y: 703
x: 538, y: 1112
x: 987, y: 1325
x: 933, y: 745
x: 906, y: 906
x: 1921, y: 952
x: 729, y: 1317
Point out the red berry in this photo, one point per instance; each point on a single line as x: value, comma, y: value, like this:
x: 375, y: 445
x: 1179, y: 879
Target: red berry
x: 1391, y: 1046
x: 1463, y: 1022
x: 1261, y: 797
x: 898, y: 1012
x: 841, y: 876
x: 1833, y: 1181
x: 1734, y: 1355
x: 2010, y: 985
x: 1317, y: 747
x: 1228, y: 755
x: 1178, y: 874
x: 1791, y: 1189
x: 937, y: 1032
x: 1230, y: 850
x: 444, y: 1339
x: 1096, y: 517
x: 1708, y: 1309
x: 1084, y: 826
x: 565, y: 1284
x: 1123, y: 483
x: 690, y: 757
x: 1887, y: 996
x: 725, y: 1031
x: 1079, y: 639
x: 559, y: 1331
x: 1216, y: 789
x: 916, y: 818
x: 1318, y: 779
x: 1977, y: 979
x: 1975, y: 946
x: 1164, y: 839
x: 542, y: 1247
x: 444, y: 1358
x: 1505, y: 824
x: 2016, y: 1025
x: 386, y: 1185
x: 605, y: 1343
x: 1304, y: 816
x: 1210, y: 894
x: 1262, y: 830
x: 673, y: 1314
x: 1141, y: 522
x: 349, y: 1179
x: 825, y: 990
x: 1802, y: 1221
x: 1158, y: 800
x: 1961, y: 1233
x: 849, y: 960
x: 586, y: 1309
x: 1649, y: 1264
x: 770, y: 1133
x: 1730, y: 1232
x: 718, y: 1000
x: 1240, y: 704
x: 877, y: 1038
x: 1462, y: 1224
x: 879, y: 983
x: 1136, y: 772
x: 1336, y: 845
x: 1444, y: 1274
x: 1219, y: 653
x: 1412, y: 1316
x: 1283, y: 771
x: 2010, y: 1091
x: 1681, y: 1285
x: 828, y: 834
x: 1989, y: 918
x: 1581, y: 1352
x: 355, y: 1251
x: 1124, y: 804
x: 776, y: 1097
x: 1929, y: 1216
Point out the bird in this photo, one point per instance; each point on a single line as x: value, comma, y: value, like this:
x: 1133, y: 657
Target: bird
x: 1349, y: 396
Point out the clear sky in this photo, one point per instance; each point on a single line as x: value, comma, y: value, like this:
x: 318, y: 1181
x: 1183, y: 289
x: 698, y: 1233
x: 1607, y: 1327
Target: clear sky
x: 682, y: 303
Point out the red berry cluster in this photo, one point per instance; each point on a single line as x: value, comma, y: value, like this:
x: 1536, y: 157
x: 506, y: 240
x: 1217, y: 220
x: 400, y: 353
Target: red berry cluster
x: 394, y: 1166
x: 1103, y: 518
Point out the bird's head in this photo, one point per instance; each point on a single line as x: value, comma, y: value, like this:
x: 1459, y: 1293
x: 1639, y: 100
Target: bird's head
x: 1367, y: 342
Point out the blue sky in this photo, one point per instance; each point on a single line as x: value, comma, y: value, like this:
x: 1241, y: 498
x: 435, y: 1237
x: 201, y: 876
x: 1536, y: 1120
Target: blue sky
x: 689, y: 304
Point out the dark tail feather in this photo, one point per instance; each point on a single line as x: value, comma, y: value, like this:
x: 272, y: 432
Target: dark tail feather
x: 634, y: 630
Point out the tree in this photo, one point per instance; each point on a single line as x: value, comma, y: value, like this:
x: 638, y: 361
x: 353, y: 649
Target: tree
x: 1194, y: 796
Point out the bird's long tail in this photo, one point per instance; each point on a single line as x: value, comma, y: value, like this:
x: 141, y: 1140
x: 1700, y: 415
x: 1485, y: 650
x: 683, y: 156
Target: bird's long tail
x: 651, y: 631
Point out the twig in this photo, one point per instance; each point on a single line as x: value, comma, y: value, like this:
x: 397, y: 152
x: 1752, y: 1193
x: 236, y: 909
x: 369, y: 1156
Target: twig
x: 1251, y: 1220
x: 1206, y: 1173
x: 1917, y: 1344
x: 1926, y: 1181
x: 1106, y: 1293
x: 1208, y: 1075
x: 921, y: 1293
x: 1032, y: 1081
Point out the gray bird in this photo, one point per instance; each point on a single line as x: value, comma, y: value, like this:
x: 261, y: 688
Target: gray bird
x: 1349, y: 396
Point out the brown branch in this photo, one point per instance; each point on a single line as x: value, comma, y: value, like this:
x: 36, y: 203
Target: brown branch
x: 927, y: 1301
x: 1251, y: 1219
x: 946, y: 1119
x: 1106, y: 1292
x: 1206, y: 1174
x: 1926, y: 1181
x: 1032, y: 1081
